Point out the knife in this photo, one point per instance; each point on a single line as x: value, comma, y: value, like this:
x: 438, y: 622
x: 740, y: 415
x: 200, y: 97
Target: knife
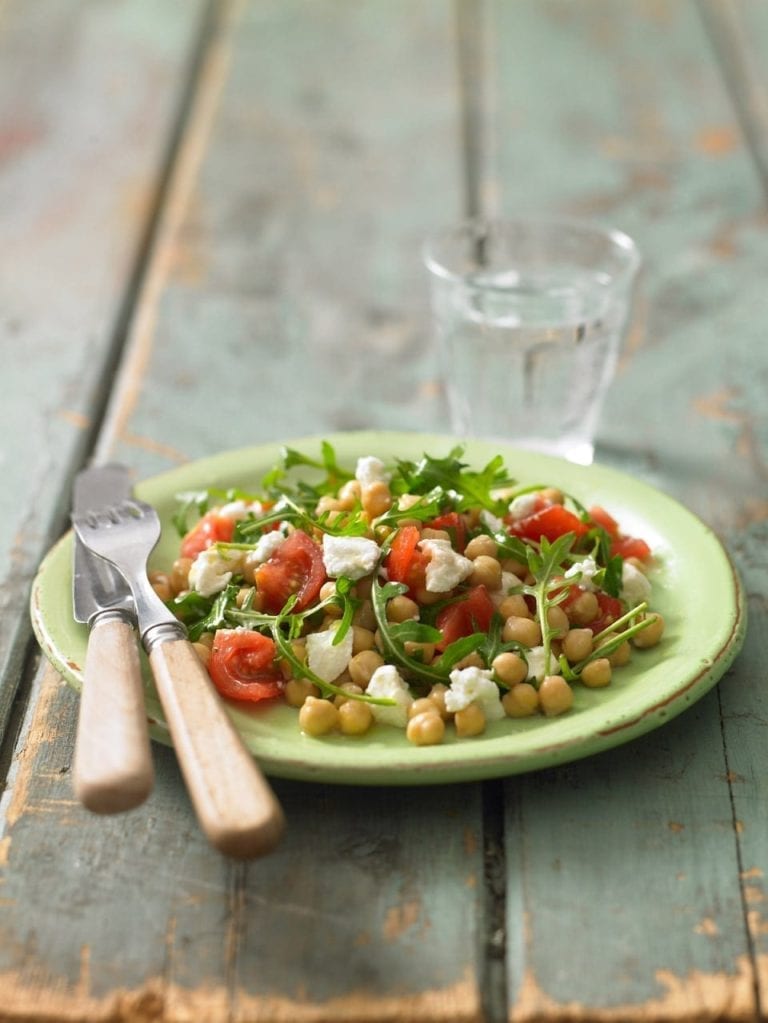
x: 113, y: 765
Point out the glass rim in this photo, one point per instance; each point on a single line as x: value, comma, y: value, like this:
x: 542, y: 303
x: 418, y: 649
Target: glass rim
x: 620, y: 240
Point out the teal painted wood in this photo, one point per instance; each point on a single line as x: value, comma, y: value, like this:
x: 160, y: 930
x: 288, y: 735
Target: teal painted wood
x: 88, y: 97
x: 625, y: 891
x: 372, y: 908
x: 297, y: 277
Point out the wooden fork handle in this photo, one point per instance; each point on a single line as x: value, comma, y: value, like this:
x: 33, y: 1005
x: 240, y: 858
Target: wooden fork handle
x: 112, y: 769
x: 233, y: 801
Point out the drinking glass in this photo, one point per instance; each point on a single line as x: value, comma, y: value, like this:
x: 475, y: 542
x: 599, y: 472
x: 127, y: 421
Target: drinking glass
x: 530, y: 315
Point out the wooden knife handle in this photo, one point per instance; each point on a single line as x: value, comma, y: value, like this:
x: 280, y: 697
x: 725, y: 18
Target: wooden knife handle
x: 113, y: 765
x: 233, y: 801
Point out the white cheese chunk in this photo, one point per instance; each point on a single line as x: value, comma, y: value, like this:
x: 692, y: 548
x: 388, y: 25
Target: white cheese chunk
x: 586, y: 570
x: 370, y: 470
x: 386, y: 683
x: 240, y: 509
x: 326, y: 660
x: 523, y: 505
x: 350, y: 556
x: 445, y: 568
x: 536, y: 667
x: 266, y: 546
x: 493, y: 522
x: 509, y: 581
x: 474, y: 685
x: 635, y: 587
x: 212, y: 569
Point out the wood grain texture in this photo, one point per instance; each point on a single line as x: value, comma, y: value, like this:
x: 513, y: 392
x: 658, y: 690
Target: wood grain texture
x: 113, y: 764
x: 88, y: 98
x: 638, y: 856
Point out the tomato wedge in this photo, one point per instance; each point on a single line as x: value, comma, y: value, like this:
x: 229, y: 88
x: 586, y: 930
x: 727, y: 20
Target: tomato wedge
x: 296, y: 567
x: 552, y: 522
x: 242, y: 666
x: 453, y: 523
x: 600, y: 517
x: 631, y: 547
x: 210, y: 529
x: 472, y: 614
x: 405, y: 563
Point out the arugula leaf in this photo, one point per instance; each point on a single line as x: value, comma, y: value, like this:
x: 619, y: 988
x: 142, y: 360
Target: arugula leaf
x: 467, y: 488
x: 393, y: 649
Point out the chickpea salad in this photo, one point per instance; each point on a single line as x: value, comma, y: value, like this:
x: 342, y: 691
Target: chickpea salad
x: 423, y: 595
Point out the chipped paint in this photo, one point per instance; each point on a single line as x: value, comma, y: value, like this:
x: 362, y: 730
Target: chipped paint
x: 753, y: 872
x: 675, y: 826
x: 158, y: 1002
x: 695, y: 998
x: 753, y: 894
x: 717, y: 140
x: 401, y: 918
x: 708, y: 927
x: 5, y: 848
x: 75, y: 418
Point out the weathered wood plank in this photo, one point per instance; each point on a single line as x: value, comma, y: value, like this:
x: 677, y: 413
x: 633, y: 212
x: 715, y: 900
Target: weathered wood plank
x: 88, y: 100
x: 624, y: 898
x: 298, y: 194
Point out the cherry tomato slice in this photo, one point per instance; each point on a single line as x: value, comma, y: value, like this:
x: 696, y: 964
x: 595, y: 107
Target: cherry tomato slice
x: 473, y: 614
x: 242, y: 666
x: 453, y: 523
x: 631, y: 547
x: 210, y: 529
x: 296, y: 567
x: 552, y: 522
x: 405, y: 563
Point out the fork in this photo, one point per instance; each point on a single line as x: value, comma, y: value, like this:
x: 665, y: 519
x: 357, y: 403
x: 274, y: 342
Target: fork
x: 236, y: 808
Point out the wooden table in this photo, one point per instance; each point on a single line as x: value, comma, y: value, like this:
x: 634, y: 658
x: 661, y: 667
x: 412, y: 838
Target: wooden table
x: 210, y: 233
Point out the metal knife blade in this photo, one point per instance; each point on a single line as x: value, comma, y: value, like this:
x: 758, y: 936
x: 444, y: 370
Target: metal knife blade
x: 97, y: 585
x: 112, y: 768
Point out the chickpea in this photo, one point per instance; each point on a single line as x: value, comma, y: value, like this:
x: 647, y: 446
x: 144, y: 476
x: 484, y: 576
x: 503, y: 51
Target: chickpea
x: 437, y: 697
x: 362, y: 666
x: 481, y: 545
x: 365, y: 616
x: 521, y: 630
x: 376, y: 499
x: 487, y: 572
x: 402, y: 609
x: 651, y: 634
x: 348, y: 687
x: 406, y: 501
x: 242, y: 595
x: 318, y: 716
x: 179, y: 576
x: 515, y: 607
x: 510, y: 668
x: 349, y: 495
x: 555, y: 695
x: 161, y: 584
x: 206, y: 638
x: 473, y: 660
x: 426, y: 597
x: 428, y: 533
x: 469, y: 721
x: 355, y: 717
x: 577, y: 644
x: 422, y: 706
x: 362, y: 639
x: 521, y: 701
x: 327, y: 504
x: 426, y: 729
x: 553, y: 495
x: 514, y: 567
x: 297, y: 690
x: 423, y: 652
x: 363, y: 587
x: 621, y: 655
x: 597, y: 673
x: 558, y: 620
x: 203, y: 652
x: 584, y: 609
x: 327, y: 590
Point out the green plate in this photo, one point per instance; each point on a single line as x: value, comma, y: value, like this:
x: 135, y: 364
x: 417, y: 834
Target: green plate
x: 702, y: 637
